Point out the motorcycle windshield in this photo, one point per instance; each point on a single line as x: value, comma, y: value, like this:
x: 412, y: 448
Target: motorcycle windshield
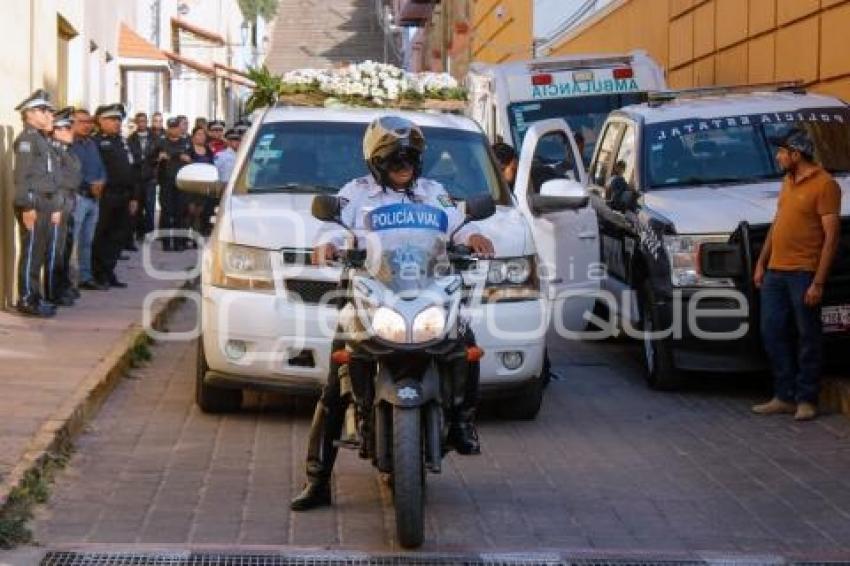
x: 406, y: 245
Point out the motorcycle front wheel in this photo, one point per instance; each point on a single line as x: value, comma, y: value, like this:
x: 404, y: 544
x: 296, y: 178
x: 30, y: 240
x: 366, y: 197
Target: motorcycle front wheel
x: 408, y: 476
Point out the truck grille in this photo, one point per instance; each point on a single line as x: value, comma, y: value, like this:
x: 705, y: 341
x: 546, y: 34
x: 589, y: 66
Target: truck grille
x: 313, y: 292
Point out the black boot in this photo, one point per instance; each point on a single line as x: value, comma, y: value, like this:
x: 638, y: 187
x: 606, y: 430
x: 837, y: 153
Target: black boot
x: 321, y: 454
x: 463, y: 435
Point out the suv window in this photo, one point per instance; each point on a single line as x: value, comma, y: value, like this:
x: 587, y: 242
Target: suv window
x: 738, y: 148
x: 311, y: 157
x: 605, y: 157
x: 553, y: 159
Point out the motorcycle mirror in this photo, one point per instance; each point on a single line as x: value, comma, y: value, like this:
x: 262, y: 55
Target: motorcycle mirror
x: 326, y: 208
x: 479, y: 207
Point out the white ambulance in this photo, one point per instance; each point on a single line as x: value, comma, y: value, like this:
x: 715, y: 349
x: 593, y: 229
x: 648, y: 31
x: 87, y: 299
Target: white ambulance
x: 505, y: 99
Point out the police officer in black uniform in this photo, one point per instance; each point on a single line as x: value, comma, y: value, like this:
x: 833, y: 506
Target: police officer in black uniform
x: 38, y: 201
x: 120, y: 196
x: 173, y: 155
x: 60, y: 290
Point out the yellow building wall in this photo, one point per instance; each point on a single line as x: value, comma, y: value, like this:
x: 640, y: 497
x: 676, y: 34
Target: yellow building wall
x: 720, y: 42
x: 502, y: 30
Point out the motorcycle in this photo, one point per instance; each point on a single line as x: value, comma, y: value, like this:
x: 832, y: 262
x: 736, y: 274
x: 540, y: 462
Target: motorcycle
x: 406, y: 347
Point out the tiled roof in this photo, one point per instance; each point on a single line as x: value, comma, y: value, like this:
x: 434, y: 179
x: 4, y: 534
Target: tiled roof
x: 133, y: 46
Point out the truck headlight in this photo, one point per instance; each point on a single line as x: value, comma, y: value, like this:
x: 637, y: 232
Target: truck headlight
x: 429, y: 324
x: 389, y: 325
x: 684, y: 255
x: 512, y: 278
x: 242, y: 267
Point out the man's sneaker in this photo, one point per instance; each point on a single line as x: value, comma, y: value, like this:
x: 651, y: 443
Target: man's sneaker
x: 775, y: 407
x: 805, y: 412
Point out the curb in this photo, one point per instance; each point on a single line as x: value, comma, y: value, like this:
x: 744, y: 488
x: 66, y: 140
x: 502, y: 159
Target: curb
x: 57, y: 434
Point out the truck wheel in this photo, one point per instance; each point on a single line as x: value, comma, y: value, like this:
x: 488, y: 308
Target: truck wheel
x: 209, y: 398
x: 659, y: 371
x: 526, y: 404
x: 408, y: 476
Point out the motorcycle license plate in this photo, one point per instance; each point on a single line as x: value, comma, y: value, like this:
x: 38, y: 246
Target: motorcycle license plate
x: 835, y: 318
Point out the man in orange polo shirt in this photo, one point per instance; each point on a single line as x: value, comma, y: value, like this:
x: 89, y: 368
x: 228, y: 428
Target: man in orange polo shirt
x: 791, y: 272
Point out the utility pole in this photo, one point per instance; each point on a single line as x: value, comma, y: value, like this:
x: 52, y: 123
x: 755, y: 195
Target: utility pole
x: 157, y: 84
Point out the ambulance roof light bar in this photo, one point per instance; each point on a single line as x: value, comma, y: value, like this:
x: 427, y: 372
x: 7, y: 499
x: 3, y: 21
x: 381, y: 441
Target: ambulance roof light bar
x: 552, y: 66
x: 657, y: 98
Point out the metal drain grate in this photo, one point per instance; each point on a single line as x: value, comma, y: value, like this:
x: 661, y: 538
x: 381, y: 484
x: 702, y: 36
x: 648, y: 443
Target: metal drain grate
x: 62, y: 558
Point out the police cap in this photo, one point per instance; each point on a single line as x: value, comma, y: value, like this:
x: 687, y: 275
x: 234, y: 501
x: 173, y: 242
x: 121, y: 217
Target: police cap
x: 173, y: 122
x: 64, y: 118
x: 216, y: 125
x: 111, y: 111
x: 233, y: 134
x: 40, y: 98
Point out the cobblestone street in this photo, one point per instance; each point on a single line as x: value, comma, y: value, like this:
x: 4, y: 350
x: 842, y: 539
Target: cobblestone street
x: 607, y: 465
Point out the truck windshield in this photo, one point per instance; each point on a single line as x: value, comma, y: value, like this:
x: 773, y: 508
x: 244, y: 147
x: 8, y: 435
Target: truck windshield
x: 315, y: 157
x: 584, y: 114
x: 737, y: 149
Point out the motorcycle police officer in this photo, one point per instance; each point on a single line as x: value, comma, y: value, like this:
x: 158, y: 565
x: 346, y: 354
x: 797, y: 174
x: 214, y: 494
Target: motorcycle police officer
x: 38, y: 201
x: 70, y: 175
x: 392, y: 147
x: 120, y: 197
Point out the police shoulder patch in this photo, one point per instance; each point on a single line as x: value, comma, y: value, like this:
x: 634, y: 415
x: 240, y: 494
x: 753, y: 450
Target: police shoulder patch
x: 24, y: 147
x: 446, y: 201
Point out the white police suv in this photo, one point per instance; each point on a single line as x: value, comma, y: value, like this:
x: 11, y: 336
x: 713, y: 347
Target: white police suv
x: 268, y: 316
x: 685, y: 188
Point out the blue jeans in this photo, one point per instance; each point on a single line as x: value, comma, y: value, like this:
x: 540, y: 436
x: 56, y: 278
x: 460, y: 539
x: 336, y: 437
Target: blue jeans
x: 85, y: 221
x: 792, y: 335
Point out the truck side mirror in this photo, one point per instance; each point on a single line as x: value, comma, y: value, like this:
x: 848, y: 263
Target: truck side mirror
x: 326, y: 208
x: 480, y: 207
x: 199, y: 178
x: 557, y: 195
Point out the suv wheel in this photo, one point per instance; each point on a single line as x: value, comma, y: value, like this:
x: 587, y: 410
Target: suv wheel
x: 659, y: 371
x: 209, y: 398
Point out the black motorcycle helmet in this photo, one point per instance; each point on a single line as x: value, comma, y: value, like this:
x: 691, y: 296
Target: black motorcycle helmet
x: 390, y: 141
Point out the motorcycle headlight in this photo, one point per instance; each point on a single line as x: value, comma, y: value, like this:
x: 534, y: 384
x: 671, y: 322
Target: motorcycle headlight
x: 683, y: 253
x: 242, y: 267
x: 389, y: 325
x: 429, y: 324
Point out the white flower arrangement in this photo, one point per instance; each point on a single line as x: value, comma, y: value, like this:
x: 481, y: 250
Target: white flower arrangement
x: 376, y: 83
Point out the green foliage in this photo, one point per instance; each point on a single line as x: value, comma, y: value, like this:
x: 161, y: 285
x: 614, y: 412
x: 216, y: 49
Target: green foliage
x: 267, y: 88
x: 33, y: 489
x: 266, y: 9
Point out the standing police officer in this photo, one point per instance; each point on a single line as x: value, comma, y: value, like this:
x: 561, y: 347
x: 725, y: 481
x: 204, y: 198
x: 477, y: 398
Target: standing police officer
x: 37, y: 200
x: 120, y: 198
x: 173, y: 155
x: 70, y: 174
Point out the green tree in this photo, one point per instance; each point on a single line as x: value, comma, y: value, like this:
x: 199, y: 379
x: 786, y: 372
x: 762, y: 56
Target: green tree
x: 265, y: 9
x: 267, y: 88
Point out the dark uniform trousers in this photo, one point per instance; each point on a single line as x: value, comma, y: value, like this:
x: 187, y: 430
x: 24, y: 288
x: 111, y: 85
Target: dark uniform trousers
x: 111, y: 232
x: 36, y: 245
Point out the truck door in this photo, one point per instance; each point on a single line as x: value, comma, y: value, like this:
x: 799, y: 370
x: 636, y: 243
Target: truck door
x: 551, y: 192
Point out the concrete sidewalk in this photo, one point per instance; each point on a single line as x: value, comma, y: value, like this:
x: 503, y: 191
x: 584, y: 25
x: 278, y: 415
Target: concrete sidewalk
x: 55, y: 372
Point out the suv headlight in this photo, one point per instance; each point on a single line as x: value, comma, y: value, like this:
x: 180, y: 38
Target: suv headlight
x: 429, y: 324
x: 242, y: 267
x: 512, y: 278
x: 389, y: 325
x: 684, y: 255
